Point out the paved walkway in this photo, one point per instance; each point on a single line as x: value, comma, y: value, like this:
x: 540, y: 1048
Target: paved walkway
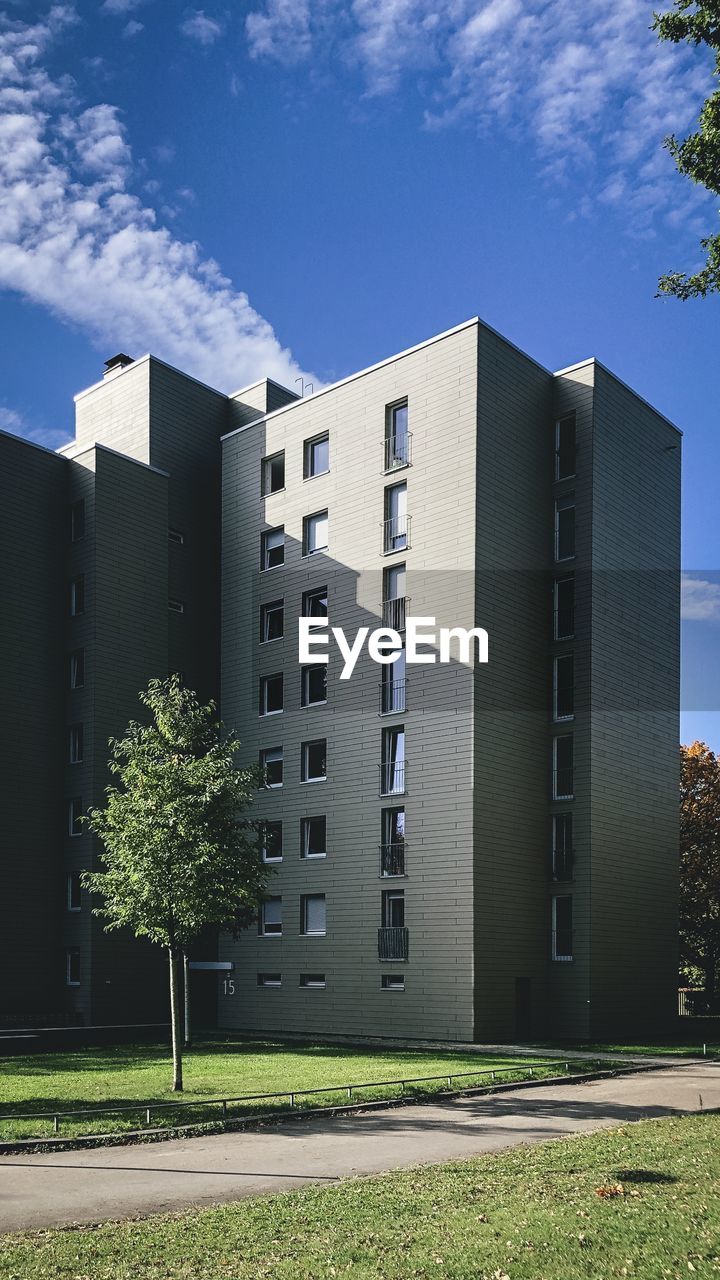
x: 95, y: 1185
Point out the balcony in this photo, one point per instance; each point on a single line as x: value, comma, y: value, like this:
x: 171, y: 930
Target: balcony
x: 392, y: 778
x: 394, y: 612
x: 392, y: 696
x: 564, y: 624
x: 562, y: 864
x: 396, y: 534
x: 392, y: 860
x: 397, y: 451
x: 393, y: 944
x: 563, y: 784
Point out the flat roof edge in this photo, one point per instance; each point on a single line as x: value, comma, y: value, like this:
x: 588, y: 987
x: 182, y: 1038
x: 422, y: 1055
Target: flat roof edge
x: 581, y: 364
x: 148, y: 358
x: 33, y: 444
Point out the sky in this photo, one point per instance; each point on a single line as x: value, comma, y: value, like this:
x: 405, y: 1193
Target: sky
x: 299, y: 188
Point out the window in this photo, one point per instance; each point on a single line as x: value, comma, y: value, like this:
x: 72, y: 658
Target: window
x: 72, y: 966
x: 174, y: 535
x: 562, y: 850
x: 77, y: 596
x: 271, y: 763
x: 273, y: 473
x: 77, y: 520
x: 75, y: 743
x: 269, y: 979
x: 312, y: 979
x: 75, y: 816
x: 394, y: 599
x: 396, y: 526
x: 176, y: 606
x: 565, y: 527
x: 313, y: 684
x: 271, y: 694
x: 393, y: 909
x: 313, y: 837
x: 392, y: 982
x: 312, y: 914
x: 563, y: 687
x: 313, y: 766
x: 564, y: 608
x: 392, y: 848
x: 392, y: 766
x: 316, y: 456
x: 315, y: 533
x: 271, y: 918
x: 315, y: 603
x: 77, y: 669
x: 562, y: 928
x: 273, y: 548
x: 73, y: 892
x: 397, y: 437
x: 271, y: 841
x: 563, y: 768
x: 392, y: 685
x: 565, y: 447
x: 272, y: 621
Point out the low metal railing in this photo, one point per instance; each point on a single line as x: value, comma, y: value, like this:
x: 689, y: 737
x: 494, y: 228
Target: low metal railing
x: 393, y: 942
x: 392, y: 696
x: 392, y: 860
x: 397, y: 451
x: 396, y: 533
x: 394, y: 612
x: 392, y: 777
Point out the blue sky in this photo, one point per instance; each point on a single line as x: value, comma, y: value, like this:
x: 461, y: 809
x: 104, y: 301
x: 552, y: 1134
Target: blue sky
x: 292, y: 186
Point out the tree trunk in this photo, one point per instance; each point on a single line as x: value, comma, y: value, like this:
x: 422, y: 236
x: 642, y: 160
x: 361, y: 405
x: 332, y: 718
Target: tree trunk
x: 175, y: 1020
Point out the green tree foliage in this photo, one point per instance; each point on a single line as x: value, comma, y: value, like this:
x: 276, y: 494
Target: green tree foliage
x: 177, y: 853
x: 697, y: 22
x: 700, y: 866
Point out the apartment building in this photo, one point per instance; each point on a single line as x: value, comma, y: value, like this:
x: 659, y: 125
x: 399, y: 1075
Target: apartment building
x: 456, y: 849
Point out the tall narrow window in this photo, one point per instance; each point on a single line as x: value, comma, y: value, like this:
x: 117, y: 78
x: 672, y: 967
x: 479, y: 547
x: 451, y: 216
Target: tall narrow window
x: 312, y: 914
x: 562, y: 850
x: 271, y: 764
x: 392, y: 765
x: 394, y: 598
x: 76, y: 669
x: 392, y: 848
x: 565, y: 447
x: 272, y: 621
x: 315, y: 533
x: 75, y: 813
x: 77, y: 520
x: 563, y: 687
x: 392, y: 686
x: 273, y: 548
x: 562, y: 927
x: 315, y: 603
x: 397, y: 436
x: 271, y: 694
x: 77, y: 596
x: 393, y: 909
x: 565, y: 527
x: 564, y: 768
x: 564, y: 608
x: 272, y: 474
x: 313, y: 684
x: 396, y: 526
x: 316, y: 460
x: 270, y: 922
x: 75, y: 744
x: 314, y: 761
x: 271, y: 841
x: 73, y: 892
x: 313, y: 836
x: 72, y: 966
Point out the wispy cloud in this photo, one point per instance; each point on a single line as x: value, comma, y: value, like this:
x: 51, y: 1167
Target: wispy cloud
x: 120, y: 7
x: 17, y: 425
x: 700, y: 600
x: 198, y: 26
x: 281, y: 31
x: 132, y: 28
x: 77, y: 240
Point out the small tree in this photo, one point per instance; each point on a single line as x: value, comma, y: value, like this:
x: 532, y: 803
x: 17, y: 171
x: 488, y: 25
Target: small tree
x: 700, y: 865
x: 177, y: 854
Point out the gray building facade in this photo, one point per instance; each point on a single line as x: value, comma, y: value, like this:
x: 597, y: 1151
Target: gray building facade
x: 457, y: 850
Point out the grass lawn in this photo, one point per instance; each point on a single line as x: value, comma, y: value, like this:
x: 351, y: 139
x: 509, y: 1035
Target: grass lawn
x: 111, y: 1076
x: 640, y: 1201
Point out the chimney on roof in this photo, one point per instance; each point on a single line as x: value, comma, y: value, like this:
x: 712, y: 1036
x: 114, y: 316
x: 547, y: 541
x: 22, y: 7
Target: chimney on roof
x: 116, y: 363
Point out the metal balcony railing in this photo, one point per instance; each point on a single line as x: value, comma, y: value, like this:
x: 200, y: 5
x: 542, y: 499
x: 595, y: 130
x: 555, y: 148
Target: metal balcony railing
x: 393, y: 944
x: 394, y: 612
x: 392, y: 777
x: 397, y: 451
x: 563, y: 784
x: 564, y: 624
x: 396, y: 533
x: 392, y: 696
x: 392, y: 860
x: 562, y: 864
x: 562, y: 944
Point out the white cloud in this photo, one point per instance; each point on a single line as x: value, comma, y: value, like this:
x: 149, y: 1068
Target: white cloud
x: 17, y: 425
x: 282, y: 32
x: 116, y: 7
x: 198, y: 26
x: 700, y: 600
x: 75, y: 239
x: 132, y: 28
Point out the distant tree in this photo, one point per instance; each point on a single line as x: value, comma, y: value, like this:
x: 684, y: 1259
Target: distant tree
x: 177, y: 853
x: 700, y: 866
x: 698, y: 156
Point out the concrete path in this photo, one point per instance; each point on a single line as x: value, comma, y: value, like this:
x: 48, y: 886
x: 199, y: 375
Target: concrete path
x: 95, y: 1185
